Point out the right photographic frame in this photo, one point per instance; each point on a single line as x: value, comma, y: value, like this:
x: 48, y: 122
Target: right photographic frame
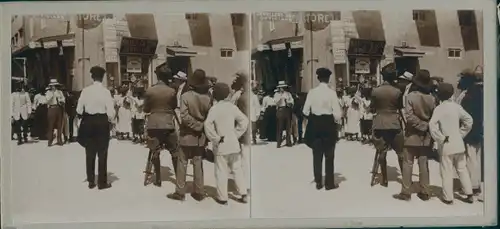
x: 367, y: 113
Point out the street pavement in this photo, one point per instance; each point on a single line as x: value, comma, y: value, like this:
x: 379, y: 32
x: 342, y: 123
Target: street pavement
x: 282, y: 186
x: 48, y: 185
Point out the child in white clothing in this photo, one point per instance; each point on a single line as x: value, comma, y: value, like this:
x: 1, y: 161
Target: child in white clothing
x: 221, y: 130
x: 446, y: 130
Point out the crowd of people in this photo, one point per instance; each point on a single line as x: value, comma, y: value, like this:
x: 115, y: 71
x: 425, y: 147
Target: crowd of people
x: 417, y: 116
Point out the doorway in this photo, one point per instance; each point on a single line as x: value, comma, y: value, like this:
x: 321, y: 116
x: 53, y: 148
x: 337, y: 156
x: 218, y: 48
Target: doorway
x: 180, y: 63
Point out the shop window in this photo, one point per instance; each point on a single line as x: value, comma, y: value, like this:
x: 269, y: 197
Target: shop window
x: 466, y: 18
x: 238, y: 19
x: 419, y: 15
x: 192, y: 17
x: 226, y: 53
x: 336, y: 16
x: 454, y: 53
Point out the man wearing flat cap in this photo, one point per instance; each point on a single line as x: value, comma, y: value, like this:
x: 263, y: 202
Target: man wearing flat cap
x: 323, y: 112
x: 160, y: 102
x: 96, y: 107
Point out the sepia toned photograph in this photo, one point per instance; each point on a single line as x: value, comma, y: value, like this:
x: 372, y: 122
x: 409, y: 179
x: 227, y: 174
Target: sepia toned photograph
x: 129, y: 117
x: 367, y: 113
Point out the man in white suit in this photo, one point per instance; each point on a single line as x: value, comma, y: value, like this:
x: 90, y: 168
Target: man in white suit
x: 21, y: 111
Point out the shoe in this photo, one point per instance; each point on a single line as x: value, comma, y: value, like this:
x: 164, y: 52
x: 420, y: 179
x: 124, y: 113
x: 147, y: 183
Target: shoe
x: 198, y: 197
x: 424, y: 197
x: 176, y: 196
x: 448, y: 202
x: 92, y: 185
x: 221, y: 202
x: 243, y: 199
x: 331, y: 187
x: 319, y: 185
x: 157, y: 183
x: 103, y: 186
x: 402, y: 196
x: 469, y: 199
x: 476, y: 191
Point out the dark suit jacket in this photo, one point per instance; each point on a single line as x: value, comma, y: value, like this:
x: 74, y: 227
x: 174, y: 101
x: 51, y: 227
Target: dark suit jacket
x: 386, y: 102
x: 160, y: 101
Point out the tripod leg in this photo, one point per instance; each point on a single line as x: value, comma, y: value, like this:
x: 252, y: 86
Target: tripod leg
x: 375, y: 168
x: 153, y: 145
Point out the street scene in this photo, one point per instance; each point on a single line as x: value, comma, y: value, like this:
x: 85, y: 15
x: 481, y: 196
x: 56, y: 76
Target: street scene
x: 121, y: 117
x: 382, y: 117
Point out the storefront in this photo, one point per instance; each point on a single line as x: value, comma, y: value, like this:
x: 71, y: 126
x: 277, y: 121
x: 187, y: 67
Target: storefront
x: 364, y: 57
x: 179, y: 58
x: 136, y: 55
x: 279, y: 60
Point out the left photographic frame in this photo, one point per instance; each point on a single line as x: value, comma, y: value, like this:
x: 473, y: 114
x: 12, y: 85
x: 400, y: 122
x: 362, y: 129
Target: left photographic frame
x: 56, y: 60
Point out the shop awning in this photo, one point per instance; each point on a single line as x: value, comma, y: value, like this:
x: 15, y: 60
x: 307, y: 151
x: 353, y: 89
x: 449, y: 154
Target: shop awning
x: 68, y: 40
x: 408, y: 52
x: 181, y: 51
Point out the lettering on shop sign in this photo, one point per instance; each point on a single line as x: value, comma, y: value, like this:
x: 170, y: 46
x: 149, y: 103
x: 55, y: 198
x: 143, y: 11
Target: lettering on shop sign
x: 366, y: 47
x: 138, y: 46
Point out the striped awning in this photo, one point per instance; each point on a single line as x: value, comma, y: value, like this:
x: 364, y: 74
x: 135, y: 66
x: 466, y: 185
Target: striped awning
x: 181, y: 51
x: 408, y: 52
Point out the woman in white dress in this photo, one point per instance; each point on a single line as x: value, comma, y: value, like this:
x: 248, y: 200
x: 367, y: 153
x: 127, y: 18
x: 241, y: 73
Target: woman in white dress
x: 353, y: 128
x: 124, y: 126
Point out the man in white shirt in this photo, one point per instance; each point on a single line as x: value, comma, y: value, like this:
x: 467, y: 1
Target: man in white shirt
x: 96, y: 107
x: 55, y: 111
x: 221, y: 130
x: 323, y: 111
x: 254, y: 114
x: 449, y: 124
x: 21, y: 111
x: 284, y: 104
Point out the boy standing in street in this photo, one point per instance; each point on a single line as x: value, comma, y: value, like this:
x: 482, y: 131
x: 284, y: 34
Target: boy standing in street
x: 221, y: 131
x: 446, y: 130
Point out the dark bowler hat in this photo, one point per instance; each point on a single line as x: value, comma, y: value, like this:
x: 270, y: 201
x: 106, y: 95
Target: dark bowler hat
x: 221, y: 91
x: 163, y: 69
x: 445, y: 91
x: 97, y: 70
x: 323, y: 72
x: 389, y: 72
x: 423, y: 79
x: 197, y: 79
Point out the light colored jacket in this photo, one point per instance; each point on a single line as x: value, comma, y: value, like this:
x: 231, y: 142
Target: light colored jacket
x: 450, y: 119
x: 220, y: 122
x: 255, y: 107
x: 21, y: 105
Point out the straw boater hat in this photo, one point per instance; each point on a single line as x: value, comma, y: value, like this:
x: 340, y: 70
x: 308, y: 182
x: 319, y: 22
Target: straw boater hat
x: 281, y: 84
x: 53, y: 82
x: 181, y: 76
x: 406, y: 76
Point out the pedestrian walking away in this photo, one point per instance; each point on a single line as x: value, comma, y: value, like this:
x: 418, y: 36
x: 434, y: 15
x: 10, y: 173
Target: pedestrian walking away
x: 96, y: 109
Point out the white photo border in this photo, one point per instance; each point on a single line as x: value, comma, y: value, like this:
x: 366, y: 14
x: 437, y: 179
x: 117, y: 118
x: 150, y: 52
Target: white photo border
x: 488, y: 7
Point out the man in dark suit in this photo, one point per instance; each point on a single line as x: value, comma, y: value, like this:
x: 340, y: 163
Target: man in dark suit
x: 387, y: 129
x: 160, y: 102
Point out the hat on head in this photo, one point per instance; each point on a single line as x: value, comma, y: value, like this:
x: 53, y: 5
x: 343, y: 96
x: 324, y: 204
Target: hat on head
x: 163, y: 69
x: 221, y: 91
x: 423, y: 79
x: 53, y: 82
x: 445, y: 91
x: 181, y: 75
x: 323, y: 72
x: 281, y: 84
x: 197, y: 79
x: 406, y: 76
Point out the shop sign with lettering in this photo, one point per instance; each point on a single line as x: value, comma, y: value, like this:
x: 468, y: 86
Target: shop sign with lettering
x: 362, y: 65
x: 366, y: 47
x: 134, y: 64
x: 138, y: 46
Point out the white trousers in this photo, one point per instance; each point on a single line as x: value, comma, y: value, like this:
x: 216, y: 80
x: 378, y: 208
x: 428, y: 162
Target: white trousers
x: 448, y: 164
x: 474, y: 164
x: 225, y: 164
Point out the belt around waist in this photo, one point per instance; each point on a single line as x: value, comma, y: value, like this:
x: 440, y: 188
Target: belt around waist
x: 95, y: 115
x: 54, y: 106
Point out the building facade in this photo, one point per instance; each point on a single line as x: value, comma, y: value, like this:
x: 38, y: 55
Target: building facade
x: 128, y: 46
x: 356, y: 44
